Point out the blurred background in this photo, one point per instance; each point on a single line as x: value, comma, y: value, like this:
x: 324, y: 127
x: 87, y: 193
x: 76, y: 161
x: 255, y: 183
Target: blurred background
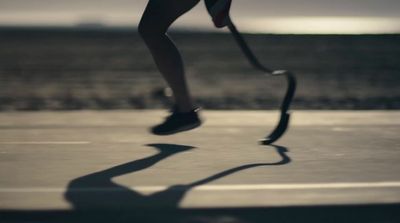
x: 86, y: 54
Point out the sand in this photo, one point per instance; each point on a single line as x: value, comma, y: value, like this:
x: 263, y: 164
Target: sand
x: 63, y: 69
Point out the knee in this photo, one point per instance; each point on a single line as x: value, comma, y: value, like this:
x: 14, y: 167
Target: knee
x: 149, y: 32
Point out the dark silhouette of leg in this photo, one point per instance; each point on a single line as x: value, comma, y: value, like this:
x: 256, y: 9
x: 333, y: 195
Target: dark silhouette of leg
x: 157, y: 18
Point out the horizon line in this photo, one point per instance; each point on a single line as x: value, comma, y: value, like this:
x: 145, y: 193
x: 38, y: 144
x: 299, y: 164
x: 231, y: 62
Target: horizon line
x: 258, y: 25
x: 104, y: 27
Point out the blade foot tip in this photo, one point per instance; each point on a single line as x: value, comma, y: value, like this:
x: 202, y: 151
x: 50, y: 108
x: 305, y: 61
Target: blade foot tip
x: 267, y: 141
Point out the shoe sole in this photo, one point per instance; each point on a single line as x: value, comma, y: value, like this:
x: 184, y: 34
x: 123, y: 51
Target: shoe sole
x: 182, y: 129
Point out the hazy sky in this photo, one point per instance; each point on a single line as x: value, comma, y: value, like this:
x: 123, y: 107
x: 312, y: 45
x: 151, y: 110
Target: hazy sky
x: 307, y: 16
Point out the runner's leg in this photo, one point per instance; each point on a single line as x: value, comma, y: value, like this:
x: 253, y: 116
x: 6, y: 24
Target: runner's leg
x: 157, y: 18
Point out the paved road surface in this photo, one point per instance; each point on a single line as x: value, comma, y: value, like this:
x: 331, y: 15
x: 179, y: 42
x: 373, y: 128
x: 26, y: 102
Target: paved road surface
x: 68, y: 162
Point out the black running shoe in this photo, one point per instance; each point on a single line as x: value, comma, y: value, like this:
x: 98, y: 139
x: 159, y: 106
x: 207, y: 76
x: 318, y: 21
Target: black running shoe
x: 178, y: 122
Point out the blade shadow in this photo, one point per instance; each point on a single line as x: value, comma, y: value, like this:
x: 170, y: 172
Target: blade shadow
x: 96, y: 198
x: 97, y: 191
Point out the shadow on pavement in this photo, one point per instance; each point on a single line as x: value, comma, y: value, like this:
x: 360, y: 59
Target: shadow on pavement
x: 91, y: 197
x: 98, y: 191
x: 84, y: 194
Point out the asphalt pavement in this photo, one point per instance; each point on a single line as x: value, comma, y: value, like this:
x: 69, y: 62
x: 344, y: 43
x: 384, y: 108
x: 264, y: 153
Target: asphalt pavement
x: 76, y: 166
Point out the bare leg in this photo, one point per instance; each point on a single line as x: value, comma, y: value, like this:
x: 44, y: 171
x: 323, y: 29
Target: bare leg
x: 157, y: 18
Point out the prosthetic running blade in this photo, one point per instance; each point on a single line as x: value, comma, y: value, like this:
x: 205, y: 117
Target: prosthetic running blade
x: 283, y: 124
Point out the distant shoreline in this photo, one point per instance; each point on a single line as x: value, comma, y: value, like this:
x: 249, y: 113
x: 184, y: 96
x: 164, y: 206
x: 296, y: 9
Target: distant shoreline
x: 102, y: 28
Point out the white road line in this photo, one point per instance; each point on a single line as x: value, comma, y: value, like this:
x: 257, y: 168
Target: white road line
x: 237, y: 187
x: 46, y: 143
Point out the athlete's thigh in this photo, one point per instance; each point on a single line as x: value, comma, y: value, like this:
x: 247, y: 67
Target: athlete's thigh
x: 162, y: 13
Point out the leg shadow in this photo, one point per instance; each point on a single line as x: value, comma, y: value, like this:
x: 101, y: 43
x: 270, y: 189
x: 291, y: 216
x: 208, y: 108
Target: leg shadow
x: 91, y: 195
x: 96, y: 198
x: 97, y: 192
